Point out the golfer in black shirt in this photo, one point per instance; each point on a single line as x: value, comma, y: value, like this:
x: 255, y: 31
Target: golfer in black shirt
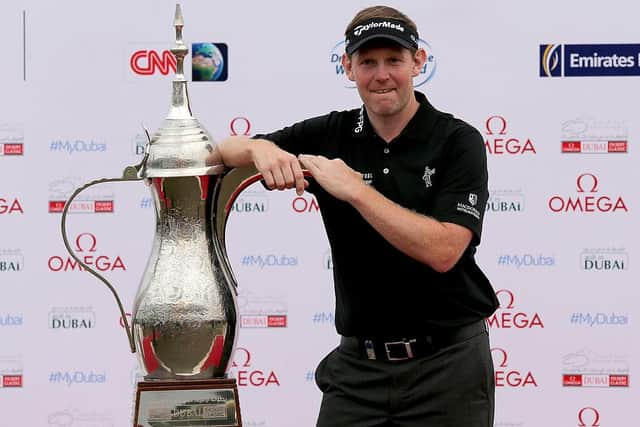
x: 402, y: 189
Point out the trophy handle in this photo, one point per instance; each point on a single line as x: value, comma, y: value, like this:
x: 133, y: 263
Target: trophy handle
x: 231, y: 184
x: 228, y: 188
x: 130, y: 174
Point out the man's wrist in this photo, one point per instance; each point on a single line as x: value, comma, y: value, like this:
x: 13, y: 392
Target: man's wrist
x: 361, y: 194
x: 254, y: 145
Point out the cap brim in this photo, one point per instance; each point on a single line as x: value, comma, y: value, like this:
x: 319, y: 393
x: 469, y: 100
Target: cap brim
x: 358, y: 44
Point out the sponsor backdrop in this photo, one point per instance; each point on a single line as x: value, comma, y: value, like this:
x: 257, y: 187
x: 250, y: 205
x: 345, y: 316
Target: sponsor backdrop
x: 553, y: 94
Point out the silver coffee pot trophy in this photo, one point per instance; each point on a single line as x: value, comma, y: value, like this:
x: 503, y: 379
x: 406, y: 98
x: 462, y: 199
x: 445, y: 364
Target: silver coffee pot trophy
x: 185, y: 312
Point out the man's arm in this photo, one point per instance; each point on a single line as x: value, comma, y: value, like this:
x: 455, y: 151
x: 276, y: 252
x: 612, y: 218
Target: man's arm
x: 234, y: 151
x: 280, y: 169
x: 436, y: 244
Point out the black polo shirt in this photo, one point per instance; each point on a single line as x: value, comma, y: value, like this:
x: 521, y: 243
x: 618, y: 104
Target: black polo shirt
x: 436, y: 167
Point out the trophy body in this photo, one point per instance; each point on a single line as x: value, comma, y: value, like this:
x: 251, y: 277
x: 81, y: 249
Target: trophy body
x: 184, y: 320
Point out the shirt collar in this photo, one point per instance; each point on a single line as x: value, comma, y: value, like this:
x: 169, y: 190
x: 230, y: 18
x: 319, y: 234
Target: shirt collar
x: 420, y: 124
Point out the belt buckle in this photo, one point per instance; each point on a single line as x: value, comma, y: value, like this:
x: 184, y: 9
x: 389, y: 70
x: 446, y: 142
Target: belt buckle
x: 407, y: 346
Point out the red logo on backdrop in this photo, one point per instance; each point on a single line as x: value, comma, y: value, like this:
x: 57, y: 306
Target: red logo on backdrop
x: 505, y: 377
x: 595, y: 380
x: 586, y: 368
x: 11, y: 139
x: 147, y: 62
x: 588, y: 198
x: 10, y: 206
x: 240, y: 126
x: 587, y: 135
x: 96, y: 206
x: 507, y: 316
x: 588, y: 417
x: 594, y: 147
x: 305, y: 204
x: 263, y: 321
x: 61, y: 189
x: 498, y: 142
x: 246, y: 375
x: 85, y: 248
x: 11, y: 381
x: 11, y: 149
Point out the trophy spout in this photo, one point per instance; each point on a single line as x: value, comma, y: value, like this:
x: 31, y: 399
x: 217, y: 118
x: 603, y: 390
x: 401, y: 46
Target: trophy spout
x: 130, y: 174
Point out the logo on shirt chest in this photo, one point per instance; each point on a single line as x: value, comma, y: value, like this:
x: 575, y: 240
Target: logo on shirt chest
x: 360, y: 122
x: 367, y: 177
x: 426, y: 177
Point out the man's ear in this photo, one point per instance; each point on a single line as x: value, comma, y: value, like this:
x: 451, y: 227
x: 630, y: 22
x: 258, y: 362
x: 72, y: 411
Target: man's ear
x: 346, y: 64
x: 419, y: 60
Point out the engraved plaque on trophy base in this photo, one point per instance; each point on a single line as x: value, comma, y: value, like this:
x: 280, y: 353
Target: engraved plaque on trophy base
x: 205, y: 403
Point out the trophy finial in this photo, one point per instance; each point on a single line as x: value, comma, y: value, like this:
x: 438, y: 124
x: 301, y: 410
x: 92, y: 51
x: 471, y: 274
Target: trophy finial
x: 180, y: 50
x: 178, y: 21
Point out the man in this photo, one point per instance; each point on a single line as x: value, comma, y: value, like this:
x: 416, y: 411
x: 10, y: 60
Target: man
x: 402, y: 189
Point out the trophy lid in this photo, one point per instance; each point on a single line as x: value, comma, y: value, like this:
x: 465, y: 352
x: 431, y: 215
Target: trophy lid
x: 181, y: 146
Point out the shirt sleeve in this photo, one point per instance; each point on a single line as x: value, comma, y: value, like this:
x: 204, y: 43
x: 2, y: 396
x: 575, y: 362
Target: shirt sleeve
x: 306, y: 137
x: 463, y: 192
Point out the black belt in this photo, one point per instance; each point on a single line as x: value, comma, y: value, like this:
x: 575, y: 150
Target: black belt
x: 411, y: 348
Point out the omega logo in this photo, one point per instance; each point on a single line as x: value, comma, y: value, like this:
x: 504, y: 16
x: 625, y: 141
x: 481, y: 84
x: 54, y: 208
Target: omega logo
x: 303, y: 205
x: 594, y: 183
x: 246, y: 375
x: 237, y: 124
x: 9, y: 207
x: 502, y: 125
x: 506, y: 318
x: 86, y: 244
x: 501, y: 144
x: 510, y: 297
x: 591, y: 415
x: 507, y: 377
x: 586, y: 201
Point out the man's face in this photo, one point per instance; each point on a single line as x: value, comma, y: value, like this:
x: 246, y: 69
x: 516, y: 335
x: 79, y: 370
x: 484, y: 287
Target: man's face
x: 383, y: 74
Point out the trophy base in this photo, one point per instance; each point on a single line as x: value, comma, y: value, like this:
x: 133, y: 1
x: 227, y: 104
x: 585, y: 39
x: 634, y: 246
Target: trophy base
x: 202, y: 403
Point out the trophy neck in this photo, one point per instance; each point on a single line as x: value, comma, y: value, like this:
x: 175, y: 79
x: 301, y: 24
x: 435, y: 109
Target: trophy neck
x: 182, y: 145
x: 180, y: 107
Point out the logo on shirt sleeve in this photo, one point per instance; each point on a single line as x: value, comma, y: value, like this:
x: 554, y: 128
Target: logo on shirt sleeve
x: 469, y: 208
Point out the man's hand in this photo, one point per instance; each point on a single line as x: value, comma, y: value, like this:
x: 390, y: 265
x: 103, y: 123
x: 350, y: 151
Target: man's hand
x: 280, y: 169
x: 334, y: 176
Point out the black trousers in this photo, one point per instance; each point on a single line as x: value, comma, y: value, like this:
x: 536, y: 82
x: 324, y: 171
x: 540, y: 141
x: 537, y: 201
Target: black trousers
x: 453, y: 387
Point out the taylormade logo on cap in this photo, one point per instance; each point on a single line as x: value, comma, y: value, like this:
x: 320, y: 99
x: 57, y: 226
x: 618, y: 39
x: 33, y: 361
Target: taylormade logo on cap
x: 383, y: 24
x: 384, y: 28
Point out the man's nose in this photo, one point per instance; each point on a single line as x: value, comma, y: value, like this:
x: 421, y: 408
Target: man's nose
x: 382, y: 73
